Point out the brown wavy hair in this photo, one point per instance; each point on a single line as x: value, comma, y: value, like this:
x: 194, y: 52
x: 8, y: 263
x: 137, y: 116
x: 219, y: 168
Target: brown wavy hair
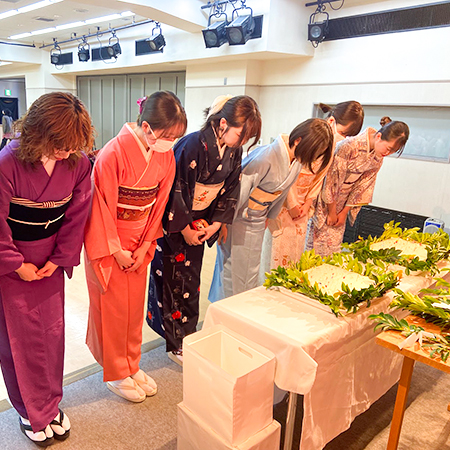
x: 55, y: 121
x: 240, y: 111
x: 316, y: 140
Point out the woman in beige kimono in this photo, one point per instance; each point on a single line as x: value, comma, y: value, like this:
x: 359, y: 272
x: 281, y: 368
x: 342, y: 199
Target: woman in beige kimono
x: 288, y: 230
x: 351, y: 180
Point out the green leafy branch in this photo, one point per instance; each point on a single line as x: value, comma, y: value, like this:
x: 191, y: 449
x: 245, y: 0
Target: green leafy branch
x: 437, y: 246
x: 438, y: 345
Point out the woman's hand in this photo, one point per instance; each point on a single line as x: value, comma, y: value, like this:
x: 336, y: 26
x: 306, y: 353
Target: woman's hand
x: 28, y: 272
x: 332, y: 219
x: 223, y: 234
x: 139, y: 256
x: 295, y: 212
x: 341, y: 218
x: 192, y: 237
x: 210, y: 230
x: 124, y: 259
x: 48, y: 269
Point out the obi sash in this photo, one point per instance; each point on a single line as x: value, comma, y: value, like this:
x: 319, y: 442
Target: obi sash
x: 259, y: 200
x: 32, y: 221
x: 205, y: 194
x: 136, y: 203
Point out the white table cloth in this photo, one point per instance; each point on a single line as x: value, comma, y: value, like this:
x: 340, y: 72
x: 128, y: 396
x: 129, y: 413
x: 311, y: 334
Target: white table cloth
x: 334, y: 362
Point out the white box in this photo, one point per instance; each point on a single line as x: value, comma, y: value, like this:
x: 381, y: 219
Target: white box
x: 228, y: 382
x: 194, y: 434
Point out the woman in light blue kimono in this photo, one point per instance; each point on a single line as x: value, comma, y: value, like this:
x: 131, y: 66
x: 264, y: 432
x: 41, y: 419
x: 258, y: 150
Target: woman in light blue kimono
x: 267, y: 174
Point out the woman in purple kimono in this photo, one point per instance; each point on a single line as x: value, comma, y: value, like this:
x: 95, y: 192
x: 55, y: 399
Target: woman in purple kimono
x: 44, y: 200
x: 351, y: 180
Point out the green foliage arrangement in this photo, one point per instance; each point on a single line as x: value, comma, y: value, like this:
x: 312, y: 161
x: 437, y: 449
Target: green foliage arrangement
x: 295, y: 279
x: 437, y: 245
x: 438, y: 345
x: 424, y: 306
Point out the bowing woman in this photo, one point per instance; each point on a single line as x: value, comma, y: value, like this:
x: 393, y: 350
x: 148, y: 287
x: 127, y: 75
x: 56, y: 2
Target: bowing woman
x: 268, y: 172
x: 133, y: 175
x: 288, y: 231
x: 45, y: 192
x: 351, y: 180
x: 203, y: 197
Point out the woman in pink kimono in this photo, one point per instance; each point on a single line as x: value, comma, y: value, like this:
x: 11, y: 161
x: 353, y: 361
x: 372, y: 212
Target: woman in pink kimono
x: 351, y: 180
x: 45, y: 192
x: 289, y: 228
x: 133, y: 175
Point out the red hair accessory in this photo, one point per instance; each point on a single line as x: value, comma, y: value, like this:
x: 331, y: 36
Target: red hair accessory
x: 141, y: 102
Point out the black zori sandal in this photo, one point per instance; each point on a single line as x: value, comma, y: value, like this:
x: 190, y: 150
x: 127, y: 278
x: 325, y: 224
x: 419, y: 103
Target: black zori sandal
x: 65, y: 435
x: 45, y: 443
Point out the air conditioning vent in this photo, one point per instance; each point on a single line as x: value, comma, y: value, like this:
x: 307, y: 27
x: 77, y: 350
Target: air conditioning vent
x: 10, y: 1
x: 392, y: 21
x: 44, y: 19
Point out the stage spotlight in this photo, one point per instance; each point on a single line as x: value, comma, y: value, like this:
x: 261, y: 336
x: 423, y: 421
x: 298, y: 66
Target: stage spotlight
x: 156, y: 41
x: 215, y: 35
x: 84, y: 53
x: 240, y: 30
x: 55, y: 54
x: 113, y: 48
x: 317, y: 30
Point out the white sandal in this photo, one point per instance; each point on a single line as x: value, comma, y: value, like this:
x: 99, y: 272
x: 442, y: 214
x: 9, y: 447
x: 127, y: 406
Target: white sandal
x: 43, y: 438
x: 127, y: 389
x: 145, y: 382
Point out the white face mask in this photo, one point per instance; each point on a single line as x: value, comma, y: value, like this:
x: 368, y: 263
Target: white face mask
x: 161, y: 145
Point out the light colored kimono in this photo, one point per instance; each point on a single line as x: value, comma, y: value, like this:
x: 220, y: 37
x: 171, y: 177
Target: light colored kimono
x: 287, y: 240
x: 131, y: 189
x: 267, y: 175
x: 349, y: 182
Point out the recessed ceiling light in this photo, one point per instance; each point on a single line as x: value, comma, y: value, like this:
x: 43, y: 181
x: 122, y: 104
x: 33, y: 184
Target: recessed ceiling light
x: 73, y: 25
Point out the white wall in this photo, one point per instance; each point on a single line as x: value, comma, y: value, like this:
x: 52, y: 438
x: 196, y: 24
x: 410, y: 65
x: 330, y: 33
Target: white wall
x: 410, y: 68
x: 287, y: 76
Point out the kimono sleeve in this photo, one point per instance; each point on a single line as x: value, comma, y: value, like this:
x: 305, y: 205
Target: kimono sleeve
x: 292, y: 197
x: 179, y: 208
x: 337, y: 173
x: 362, y: 190
x: 253, y: 173
x: 10, y: 257
x: 227, y: 199
x: 154, y: 230
x: 317, y: 183
x: 101, y: 237
x: 70, y: 236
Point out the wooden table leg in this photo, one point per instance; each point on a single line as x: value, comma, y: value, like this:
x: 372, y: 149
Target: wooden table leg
x: 400, y: 403
x: 290, y: 421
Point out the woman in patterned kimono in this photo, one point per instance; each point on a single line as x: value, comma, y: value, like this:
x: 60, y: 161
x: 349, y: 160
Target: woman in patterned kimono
x: 351, y: 180
x: 133, y: 175
x: 267, y: 174
x: 45, y: 192
x: 288, y: 230
x: 204, y: 194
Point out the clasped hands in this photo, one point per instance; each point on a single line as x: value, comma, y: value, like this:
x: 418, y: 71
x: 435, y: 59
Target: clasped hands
x: 129, y: 261
x: 30, y: 272
x: 197, y: 237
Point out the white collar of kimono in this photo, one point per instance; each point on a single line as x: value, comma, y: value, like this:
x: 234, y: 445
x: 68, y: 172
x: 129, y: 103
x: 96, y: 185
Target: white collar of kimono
x: 147, y: 154
x: 283, y: 142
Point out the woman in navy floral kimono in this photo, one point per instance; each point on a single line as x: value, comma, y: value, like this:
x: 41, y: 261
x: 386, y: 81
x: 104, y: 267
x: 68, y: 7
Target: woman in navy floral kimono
x: 203, y: 197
